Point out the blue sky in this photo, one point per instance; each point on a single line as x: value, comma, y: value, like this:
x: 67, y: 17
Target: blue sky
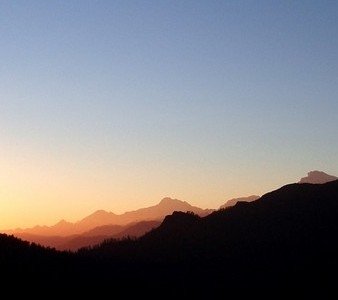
x: 132, y: 101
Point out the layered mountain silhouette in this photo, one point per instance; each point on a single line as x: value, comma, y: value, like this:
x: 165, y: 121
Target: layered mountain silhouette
x: 157, y: 212
x: 234, y: 201
x: 100, y: 218
x: 285, y: 241
x: 62, y: 228
x: 287, y: 215
x: 317, y: 177
x: 99, y: 234
x: 91, y: 237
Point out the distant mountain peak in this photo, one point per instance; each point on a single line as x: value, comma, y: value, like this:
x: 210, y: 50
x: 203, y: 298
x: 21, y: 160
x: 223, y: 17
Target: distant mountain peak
x: 234, y: 201
x: 100, y: 212
x: 101, y: 217
x: 62, y: 222
x: 168, y: 200
x: 317, y: 177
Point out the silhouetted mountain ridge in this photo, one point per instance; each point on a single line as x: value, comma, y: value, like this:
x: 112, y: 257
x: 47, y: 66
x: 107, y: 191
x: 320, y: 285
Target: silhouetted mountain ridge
x: 291, y: 215
x: 91, y: 237
x: 282, y: 242
x: 100, y: 218
x: 317, y: 177
x: 99, y: 234
x: 233, y: 201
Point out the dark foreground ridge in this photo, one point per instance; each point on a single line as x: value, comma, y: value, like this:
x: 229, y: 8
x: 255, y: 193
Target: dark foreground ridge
x: 285, y: 241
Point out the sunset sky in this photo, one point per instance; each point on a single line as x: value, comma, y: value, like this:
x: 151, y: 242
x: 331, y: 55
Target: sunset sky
x: 116, y: 104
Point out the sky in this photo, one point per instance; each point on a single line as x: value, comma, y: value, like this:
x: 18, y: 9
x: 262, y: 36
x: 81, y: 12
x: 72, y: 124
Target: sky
x: 116, y: 104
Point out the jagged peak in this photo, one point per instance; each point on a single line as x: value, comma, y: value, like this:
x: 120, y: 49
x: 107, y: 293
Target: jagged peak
x: 179, y: 217
x: 317, y: 177
x: 168, y: 200
x: 101, y: 212
x: 63, y: 221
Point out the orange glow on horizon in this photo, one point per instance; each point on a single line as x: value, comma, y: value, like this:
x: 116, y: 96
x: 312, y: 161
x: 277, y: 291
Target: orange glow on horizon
x: 37, y: 189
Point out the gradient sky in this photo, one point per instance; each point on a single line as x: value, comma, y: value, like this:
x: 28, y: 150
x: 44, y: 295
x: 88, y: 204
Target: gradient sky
x: 116, y: 104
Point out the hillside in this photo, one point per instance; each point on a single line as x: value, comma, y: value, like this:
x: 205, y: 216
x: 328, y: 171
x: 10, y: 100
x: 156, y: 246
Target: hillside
x: 285, y: 241
x: 99, y: 234
x: 91, y: 237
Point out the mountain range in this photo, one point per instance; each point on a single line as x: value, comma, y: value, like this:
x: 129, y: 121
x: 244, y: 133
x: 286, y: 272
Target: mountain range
x: 91, y: 237
x: 102, y: 225
x: 284, y: 242
x: 100, y: 218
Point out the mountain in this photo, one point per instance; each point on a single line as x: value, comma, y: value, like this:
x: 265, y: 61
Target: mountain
x: 100, y: 218
x: 107, y: 230
x: 62, y: 228
x: 138, y: 229
x: 285, y: 243
x: 282, y: 241
x: 232, y: 202
x: 91, y: 237
x: 317, y: 177
x: 99, y: 234
x: 156, y: 212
